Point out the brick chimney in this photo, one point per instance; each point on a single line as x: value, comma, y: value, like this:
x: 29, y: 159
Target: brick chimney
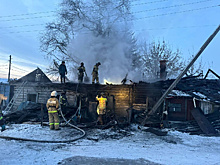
x: 163, y: 73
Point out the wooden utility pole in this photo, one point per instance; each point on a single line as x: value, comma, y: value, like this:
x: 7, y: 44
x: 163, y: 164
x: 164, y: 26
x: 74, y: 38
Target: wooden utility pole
x: 9, y: 70
x: 157, y: 105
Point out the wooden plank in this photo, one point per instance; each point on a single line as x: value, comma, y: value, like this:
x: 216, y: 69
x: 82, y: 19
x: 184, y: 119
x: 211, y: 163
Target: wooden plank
x: 203, y: 123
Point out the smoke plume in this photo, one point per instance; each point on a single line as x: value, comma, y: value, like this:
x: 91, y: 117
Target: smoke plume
x: 113, y: 52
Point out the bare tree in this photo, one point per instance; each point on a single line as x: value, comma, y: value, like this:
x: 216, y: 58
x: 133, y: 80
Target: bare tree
x: 151, y: 55
x: 196, y: 69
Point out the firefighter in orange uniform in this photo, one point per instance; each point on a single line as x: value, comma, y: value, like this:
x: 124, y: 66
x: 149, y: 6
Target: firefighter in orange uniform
x: 101, y: 109
x: 52, y: 106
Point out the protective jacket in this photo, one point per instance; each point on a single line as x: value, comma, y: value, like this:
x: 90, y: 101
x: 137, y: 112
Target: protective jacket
x: 95, y: 70
x: 102, y: 105
x: 52, y: 105
x: 81, y: 69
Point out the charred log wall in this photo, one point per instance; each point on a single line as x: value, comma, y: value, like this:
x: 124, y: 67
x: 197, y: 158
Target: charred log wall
x: 125, y: 95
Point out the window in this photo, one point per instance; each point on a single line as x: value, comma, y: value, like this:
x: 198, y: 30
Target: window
x: 174, y: 107
x: 32, y: 97
x: 38, y: 77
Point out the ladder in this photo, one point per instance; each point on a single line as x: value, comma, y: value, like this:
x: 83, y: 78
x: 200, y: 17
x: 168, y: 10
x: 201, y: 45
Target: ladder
x: 12, y: 101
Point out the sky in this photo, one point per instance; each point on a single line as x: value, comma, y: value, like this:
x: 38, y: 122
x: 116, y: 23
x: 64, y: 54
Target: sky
x: 185, y: 25
x: 174, y: 148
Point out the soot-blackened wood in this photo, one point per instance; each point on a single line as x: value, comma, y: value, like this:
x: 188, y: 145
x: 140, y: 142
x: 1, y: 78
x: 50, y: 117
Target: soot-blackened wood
x: 203, y: 123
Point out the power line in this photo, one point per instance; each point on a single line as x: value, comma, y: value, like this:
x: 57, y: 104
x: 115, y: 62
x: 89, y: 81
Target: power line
x: 20, y: 69
x: 36, y: 13
x: 28, y: 31
x: 18, y: 19
x: 183, y: 27
x: 178, y: 12
x: 192, y: 3
x: 148, y: 2
x: 22, y: 26
x: 27, y: 14
x: 153, y: 16
x: 164, y: 28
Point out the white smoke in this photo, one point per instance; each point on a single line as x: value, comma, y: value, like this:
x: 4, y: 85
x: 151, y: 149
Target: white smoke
x: 113, y: 52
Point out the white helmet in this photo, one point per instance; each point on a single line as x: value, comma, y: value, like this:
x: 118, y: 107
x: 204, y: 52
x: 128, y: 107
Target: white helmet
x: 54, y: 93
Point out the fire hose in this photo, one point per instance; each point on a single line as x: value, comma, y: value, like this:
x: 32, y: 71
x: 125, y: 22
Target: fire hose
x: 51, y: 141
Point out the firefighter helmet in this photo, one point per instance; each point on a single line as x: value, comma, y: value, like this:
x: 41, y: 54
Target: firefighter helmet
x: 54, y: 93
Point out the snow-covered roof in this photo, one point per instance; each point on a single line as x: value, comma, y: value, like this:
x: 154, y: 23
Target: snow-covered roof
x: 200, y: 95
x: 201, y: 89
x: 179, y: 93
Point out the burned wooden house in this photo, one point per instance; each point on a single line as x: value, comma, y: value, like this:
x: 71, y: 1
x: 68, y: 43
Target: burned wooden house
x: 36, y: 87
x: 140, y: 97
x: 190, y: 93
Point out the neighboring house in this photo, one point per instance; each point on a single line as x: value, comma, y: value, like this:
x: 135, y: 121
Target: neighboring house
x: 191, y: 93
x: 27, y: 88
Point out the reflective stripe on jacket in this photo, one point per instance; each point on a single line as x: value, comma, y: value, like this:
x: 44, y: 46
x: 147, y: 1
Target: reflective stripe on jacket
x: 63, y: 100
x: 52, y: 105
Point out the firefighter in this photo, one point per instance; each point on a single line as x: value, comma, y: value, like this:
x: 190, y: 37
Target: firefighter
x: 81, y: 71
x: 101, y: 108
x: 62, y: 71
x: 2, y: 122
x: 63, y: 101
x: 52, y: 106
x: 2, y: 98
x: 95, y: 73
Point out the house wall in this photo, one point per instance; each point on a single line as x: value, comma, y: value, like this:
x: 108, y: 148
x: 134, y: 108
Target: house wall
x: 177, y: 115
x: 125, y: 95
x: 190, y: 106
x: 186, y: 106
x: 207, y: 107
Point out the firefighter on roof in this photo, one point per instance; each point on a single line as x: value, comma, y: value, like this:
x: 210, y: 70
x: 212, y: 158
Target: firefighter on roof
x: 81, y: 71
x: 62, y: 72
x: 95, y: 73
x: 52, y: 106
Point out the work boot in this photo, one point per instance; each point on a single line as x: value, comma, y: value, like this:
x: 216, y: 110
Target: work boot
x: 3, y: 128
x: 51, y: 127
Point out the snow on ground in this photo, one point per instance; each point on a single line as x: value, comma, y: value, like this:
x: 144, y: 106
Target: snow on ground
x: 132, y: 144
